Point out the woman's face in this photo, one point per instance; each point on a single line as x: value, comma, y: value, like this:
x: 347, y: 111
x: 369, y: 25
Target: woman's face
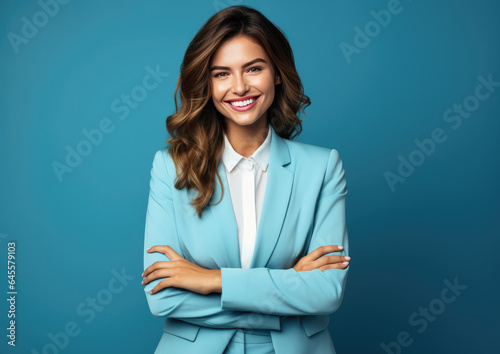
x: 242, y: 80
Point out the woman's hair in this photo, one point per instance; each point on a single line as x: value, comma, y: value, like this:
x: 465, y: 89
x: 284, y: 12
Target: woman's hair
x: 197, y: 128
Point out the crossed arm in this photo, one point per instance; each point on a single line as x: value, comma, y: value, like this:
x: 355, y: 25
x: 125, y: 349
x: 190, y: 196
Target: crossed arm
x: 250, y: 298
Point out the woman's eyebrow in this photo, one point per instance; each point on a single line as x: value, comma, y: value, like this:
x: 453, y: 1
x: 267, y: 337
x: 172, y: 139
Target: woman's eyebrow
x: 258, y: 60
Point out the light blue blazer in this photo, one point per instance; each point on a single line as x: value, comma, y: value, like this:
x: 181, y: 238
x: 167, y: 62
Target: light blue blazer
x: 304, y: 208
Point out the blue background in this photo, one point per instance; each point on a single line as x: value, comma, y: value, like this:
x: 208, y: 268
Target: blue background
x: 72, y: 232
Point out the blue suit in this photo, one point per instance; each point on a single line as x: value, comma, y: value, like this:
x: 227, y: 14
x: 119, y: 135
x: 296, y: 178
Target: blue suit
x: 304, y: 208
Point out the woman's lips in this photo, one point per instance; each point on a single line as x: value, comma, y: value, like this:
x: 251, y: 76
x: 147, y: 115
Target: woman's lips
x: 243, y: 108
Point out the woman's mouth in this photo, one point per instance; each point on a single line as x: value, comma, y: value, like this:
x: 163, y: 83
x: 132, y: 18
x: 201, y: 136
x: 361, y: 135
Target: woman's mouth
x: 243, y: 104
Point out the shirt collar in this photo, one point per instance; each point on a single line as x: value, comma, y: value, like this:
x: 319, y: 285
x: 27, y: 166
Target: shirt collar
x: 231, y: 158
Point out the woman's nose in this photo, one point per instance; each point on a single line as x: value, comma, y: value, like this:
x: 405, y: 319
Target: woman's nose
x: 240, y: 86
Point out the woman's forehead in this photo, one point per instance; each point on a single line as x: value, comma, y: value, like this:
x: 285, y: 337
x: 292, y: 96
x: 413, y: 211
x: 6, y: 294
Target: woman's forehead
x: 240, y: 49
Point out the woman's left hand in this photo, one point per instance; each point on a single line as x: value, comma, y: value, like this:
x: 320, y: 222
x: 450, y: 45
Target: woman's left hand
x: 180, y: 273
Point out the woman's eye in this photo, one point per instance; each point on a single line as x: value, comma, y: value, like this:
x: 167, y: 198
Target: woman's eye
x: 255, y: 69
x: 251, y: 70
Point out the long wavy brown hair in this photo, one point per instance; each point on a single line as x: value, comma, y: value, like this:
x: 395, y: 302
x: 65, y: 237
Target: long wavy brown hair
x: 197, y: 128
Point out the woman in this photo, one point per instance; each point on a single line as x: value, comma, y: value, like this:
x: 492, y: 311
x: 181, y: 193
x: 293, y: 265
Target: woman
x: 245, y: 241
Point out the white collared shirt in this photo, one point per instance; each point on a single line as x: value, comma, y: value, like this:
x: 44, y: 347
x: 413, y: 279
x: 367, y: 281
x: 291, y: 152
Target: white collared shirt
x: 247, y: 179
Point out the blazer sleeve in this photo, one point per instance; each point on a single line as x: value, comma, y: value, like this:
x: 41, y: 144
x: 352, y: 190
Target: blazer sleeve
x: 185, y: 305
x: 286, y: 291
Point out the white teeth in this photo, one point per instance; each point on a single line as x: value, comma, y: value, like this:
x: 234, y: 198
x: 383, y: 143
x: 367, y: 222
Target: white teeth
x: 242, y: 103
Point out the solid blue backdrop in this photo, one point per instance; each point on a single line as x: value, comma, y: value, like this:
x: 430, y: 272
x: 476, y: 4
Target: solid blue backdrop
x: 407, y: 92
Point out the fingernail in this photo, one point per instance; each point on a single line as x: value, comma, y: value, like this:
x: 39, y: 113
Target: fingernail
x: 347, y: 258
x: 345, y: 262
x: 341, y: 247
x: 142, y: 282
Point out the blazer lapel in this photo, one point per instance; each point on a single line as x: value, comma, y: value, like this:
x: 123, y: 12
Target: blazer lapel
x: 225, y: 220
x: 276, y: 199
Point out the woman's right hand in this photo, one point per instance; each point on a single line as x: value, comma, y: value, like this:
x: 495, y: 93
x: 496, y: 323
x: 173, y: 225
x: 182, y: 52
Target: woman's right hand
x: 314, y: 260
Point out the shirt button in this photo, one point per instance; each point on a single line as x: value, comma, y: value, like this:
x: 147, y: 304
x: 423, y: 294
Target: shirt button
x: 248, y: 165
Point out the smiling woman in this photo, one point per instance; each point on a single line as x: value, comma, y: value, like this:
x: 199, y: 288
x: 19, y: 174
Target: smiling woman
x: 240, y: 85
x: 237, y: 53
x: 257, y: 262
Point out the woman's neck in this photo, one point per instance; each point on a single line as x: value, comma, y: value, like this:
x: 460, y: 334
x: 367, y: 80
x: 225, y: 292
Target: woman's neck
x: 246, y: 139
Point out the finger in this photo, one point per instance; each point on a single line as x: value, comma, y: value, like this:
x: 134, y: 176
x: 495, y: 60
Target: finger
x: 325, y: 260
x: 327, y: 249
x: 318, y: 252
x: 154, y: 266
x: 337, y: 259
x: 165, y: 283
x: 342, y: 265
x: 157, y: 274
x: 167, y: 251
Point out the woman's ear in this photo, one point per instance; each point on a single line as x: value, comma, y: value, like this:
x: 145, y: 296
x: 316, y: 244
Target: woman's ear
x: 277, y: 80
